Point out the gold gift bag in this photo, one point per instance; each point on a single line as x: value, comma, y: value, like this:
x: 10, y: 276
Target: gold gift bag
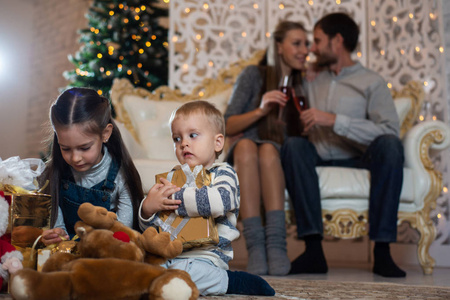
x: 29, y: 215
x: 193, y: 232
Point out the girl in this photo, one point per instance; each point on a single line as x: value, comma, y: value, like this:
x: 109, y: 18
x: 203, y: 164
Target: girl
x: 88, y: 163
x: 252, y: 114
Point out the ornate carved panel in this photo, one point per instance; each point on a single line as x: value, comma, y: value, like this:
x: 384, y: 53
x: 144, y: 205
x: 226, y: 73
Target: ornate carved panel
x: 207, y: 36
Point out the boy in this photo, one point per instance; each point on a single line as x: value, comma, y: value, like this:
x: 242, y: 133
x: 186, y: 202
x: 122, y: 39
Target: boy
x: 198, y: 133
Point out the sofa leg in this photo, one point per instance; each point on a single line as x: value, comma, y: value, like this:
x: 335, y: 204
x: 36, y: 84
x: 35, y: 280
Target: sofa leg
x: 427, y: 235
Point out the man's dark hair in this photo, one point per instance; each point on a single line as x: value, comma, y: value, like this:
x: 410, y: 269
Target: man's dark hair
x: 335, y: 23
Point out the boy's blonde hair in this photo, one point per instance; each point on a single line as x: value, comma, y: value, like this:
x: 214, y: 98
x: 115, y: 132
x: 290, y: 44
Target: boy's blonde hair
x: 214, y: 116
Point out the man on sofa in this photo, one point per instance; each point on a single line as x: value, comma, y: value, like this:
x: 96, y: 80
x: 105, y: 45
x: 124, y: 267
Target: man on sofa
x: 352, y: 122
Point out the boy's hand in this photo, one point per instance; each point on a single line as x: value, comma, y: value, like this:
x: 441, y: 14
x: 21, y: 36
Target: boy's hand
x: 158, y: 198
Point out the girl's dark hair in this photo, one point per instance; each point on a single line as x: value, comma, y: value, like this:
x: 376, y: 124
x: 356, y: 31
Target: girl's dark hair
x: 85, y: 106
x: 341, y: 23
x: 270, y: 67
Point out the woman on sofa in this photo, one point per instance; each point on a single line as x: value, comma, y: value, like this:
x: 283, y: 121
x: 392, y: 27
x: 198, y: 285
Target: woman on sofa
x: 260, y: 115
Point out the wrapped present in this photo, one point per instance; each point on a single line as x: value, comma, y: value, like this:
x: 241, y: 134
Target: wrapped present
x: 29, y: 210
x: 193, y: 232
x: 44, y: 254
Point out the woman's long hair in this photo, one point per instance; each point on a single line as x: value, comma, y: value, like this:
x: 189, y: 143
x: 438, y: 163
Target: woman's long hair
x: 85, y: 106
x: 270, y: 66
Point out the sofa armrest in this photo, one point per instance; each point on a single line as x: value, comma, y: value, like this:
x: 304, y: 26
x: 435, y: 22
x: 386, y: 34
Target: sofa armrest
x: 423, y: 137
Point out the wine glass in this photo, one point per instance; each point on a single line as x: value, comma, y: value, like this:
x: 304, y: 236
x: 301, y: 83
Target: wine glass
x: 300, y: 102
x: 285, y: 89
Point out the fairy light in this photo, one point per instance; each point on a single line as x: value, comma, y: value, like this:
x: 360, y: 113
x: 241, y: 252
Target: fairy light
x: 205, y: 6
x: 187, y: 10
x: 100, y: 92
x: 108, y: 73
x: 244, y: 34
x: 201, y: 93
x: 198, y: 37
x: 338, y: 2
x: 174, y: 39
x: 439, y: 216
x: 102, y: 69
x: 389, y: 85
x: 411, y: 16
x: 141, y: 51
x: 373, y: 23
x: 121, y: 6
x: 232, y: 7
x: 153, y: 37
x: 166, y: 1
x: 221, y: 34
x: 445, y: 189
x: 310, y: 2
x: 137, y: 9
x: 382, y: 52
x: 129, y: 72
x: 281, y: 6
x: 395, y: 19
x: 441, y: 49
x: 111, y: 13
x: 267, y: 34
x: 211, y: 64
x: 255, y: 6
x: 402, y: 52
x: 417, y: 49
x: 125, y: 21
x: 425, y: 83
x: 136, y: 18
x: 148, y: 44
x: 139, y: 65
x: 359, y: 54
x: 185, y: 67
x: 99, y: 55
x: 421, y: 118
x: 434, y: 118
x: 143, y: 7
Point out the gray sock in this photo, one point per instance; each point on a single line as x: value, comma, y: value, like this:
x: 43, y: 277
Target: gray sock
x: 279, y: 263
x: 256, y: 245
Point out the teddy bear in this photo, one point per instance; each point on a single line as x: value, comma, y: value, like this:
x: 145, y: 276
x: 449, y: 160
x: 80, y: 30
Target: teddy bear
x: 109, y: 265
x: 149, y: 241
x: 10, y: 258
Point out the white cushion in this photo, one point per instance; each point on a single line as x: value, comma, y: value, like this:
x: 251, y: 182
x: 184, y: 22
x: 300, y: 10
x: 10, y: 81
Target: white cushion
x: 147, y: 169
x: 349, y: 183
x: 150, y: 118
x: 402, y: 106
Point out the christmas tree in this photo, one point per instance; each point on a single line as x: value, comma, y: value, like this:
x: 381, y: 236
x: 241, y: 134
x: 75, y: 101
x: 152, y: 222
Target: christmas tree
x: 124, y: 40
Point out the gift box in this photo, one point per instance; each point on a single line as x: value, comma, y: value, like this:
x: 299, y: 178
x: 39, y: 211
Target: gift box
x: 29, y: 210
x: 193, y: 232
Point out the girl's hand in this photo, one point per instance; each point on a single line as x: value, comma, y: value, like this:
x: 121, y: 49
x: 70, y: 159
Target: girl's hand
x: 158, y: 198
x: 55, y: 235
x: 271, y: 99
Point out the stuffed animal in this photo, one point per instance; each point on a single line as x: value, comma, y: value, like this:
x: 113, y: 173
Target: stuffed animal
x: 10, y: 258
x: 109, y: 266
x: 157, y: 247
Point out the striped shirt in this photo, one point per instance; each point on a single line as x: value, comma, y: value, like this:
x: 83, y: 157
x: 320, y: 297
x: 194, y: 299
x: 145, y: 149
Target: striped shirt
x: 221, y: 200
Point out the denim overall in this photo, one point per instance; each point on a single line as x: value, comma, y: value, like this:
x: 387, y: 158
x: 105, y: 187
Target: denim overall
x: 71, y: 196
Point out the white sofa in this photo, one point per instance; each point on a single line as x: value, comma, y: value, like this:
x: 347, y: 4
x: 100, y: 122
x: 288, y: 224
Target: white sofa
x: 143, y: 119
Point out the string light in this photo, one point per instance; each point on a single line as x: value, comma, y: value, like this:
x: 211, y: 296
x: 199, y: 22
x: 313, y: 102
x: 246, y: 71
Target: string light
x: 255, y: 6
x: 389, y: 85
x: 445, y: 189
x: 373, y: 23
x: 187, y: 10
x: 231, y: 6
x: 281, y: 6
x: 441, y: 49
x: 395, y: 19
x: 205, y: 6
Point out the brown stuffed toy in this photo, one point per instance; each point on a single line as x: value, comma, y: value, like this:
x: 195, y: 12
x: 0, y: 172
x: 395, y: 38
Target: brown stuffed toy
x: 109, y: 266
x: 157, y: 246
